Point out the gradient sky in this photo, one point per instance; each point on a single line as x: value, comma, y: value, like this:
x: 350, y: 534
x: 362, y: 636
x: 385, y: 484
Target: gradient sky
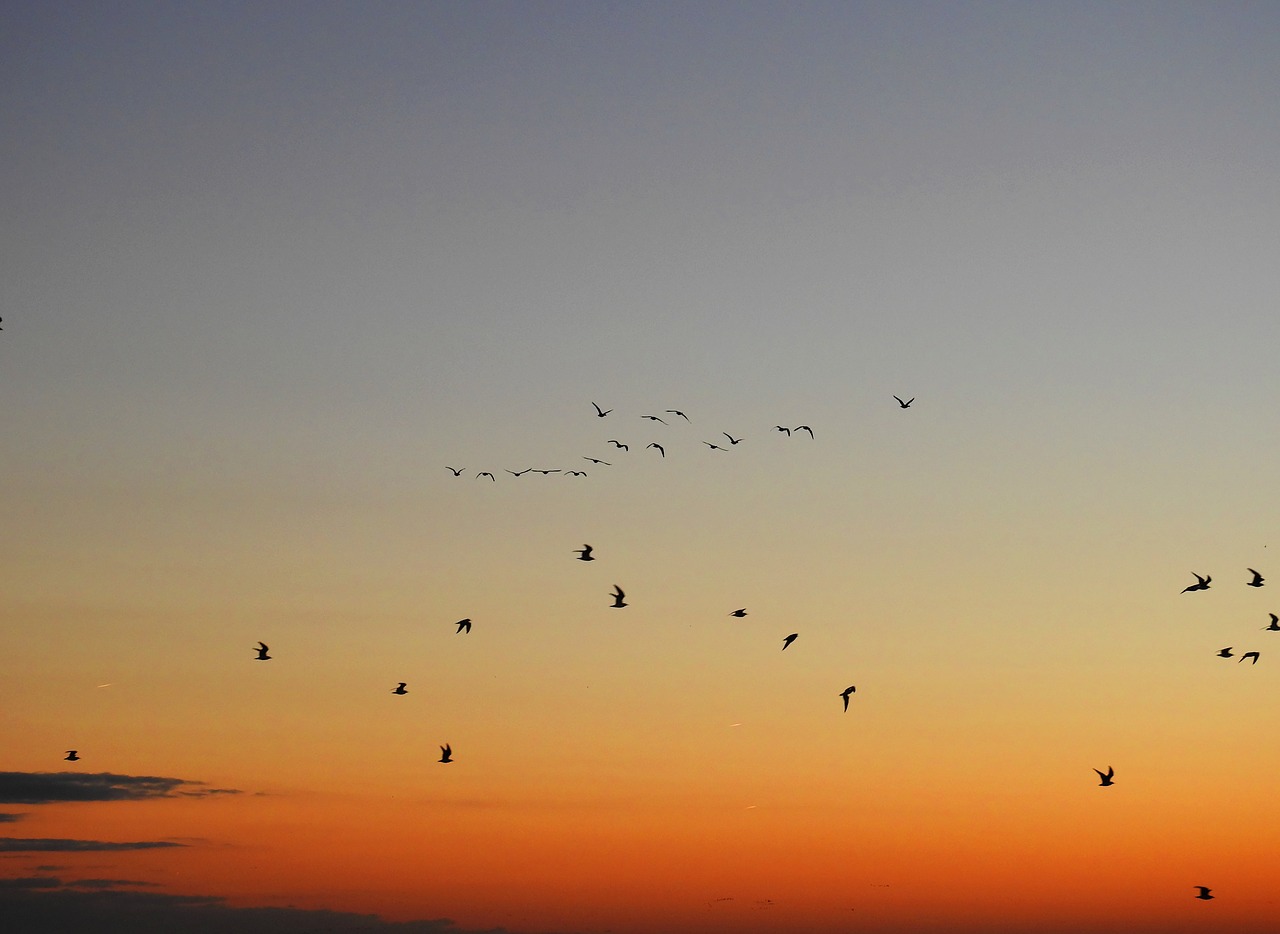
x: 268, y: 268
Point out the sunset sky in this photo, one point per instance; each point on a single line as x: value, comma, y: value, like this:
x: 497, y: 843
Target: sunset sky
x: 268, y: 269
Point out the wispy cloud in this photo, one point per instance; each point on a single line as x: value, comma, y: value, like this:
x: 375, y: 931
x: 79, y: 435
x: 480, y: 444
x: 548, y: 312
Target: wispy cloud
x: 39, y: 845
x: 48, y: 787
x: 10, y: 818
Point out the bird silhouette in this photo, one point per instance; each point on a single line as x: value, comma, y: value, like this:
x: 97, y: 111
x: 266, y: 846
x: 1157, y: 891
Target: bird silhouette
x: 575, y: 473
x: 619, y: 444
x: 1204, y: 892
x: 400, y: 689
x: 654, y: 418
x: 1275, y: 623
x: 1257, y: 578
x: 1225, y: 653
x: 464, y: 625
x: 1252, y: 656
x: 545, y: 472
x: 485, y: 473
x: 456, y: 471
x: 519, y: 473
x: 262, y: 652
x: 739, y: 613
x: 805, y: 428
x: 72, y: 755
x: 661, y: 449
x: 596, y: 460
x: 844, y: 695
x: 1106, y: 777
x: 677, y: 412
x: 584, y: 553
x: 788, y: 640
x: 732, y: 439
x: 617, y: 597
x: 446, y: 753
x: 781, y: 428
x: 601, y: 413
x: 1202, y: 583
x: 907, y: 404
x: 714, y: 447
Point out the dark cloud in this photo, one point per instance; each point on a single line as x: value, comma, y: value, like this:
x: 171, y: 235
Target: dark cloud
x: 34, y: 909
x: 108, y: 883
x: 36, y: 845
x: 10, y: 818
x: 47, y: 787
x: 32, y: 882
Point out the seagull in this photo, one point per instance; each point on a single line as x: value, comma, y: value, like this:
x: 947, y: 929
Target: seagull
x: 485, y: 473
x: 845, y: 695
x: 519, y: 473
x: 619, y: 444
x: 1225, y: 653
x: 1275, y: 623
x: 1106, y: 778
x: 732, y: 439
x: 1202, y: 583
x: 907, y: 405
x: 596, y: 460
x: 1257, y: 578
x: 72, y: 756
x: 575, y: 473
x: 262, y: 652
x: 456, y: 472
x: 1253, y: 656
x: 714, y: 447
x: 739, y: 613
x: 677, y: 412
x: 1204, y: 892
x: 617, y: 598
x: 601, y: 413
x: 400, y: 689
x: 788, y: 640
x: 653, y: 418
x: 805, y: 428
x: 464, y: 625
x: 545, y: 472
x: 661, y: 449
x: 584, y: 553
x: 780, y: 428
x: 446, y: 753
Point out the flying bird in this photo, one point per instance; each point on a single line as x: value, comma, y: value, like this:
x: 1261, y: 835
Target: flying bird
x: 1106, y: 777
x: 781, y: 428
x: 456, y: 471
x: 446, y: 753
x: 72, y: 755
x: 845, y: 696
x: 1225, y: 653
x: 584, y: 553
x: 575, y: 473
x: 805, y: 428
x: 1202, y: 583
x: 1252, y: 656
x: 907, y: 404
x: 654, y: 418
x: 519, y: 473
x: 714, y: 447
x: 788, y: 640
x: 732, y: 439
x: 661, y: 449
x: 618, y: 444
x: 596, y: 460
x: 601, y: 413
x: 1204, y: 892
x: 464, y: 625
x: 545, y: 472
x: 1257, y: 578
x: 400, y: 689
x: 262, y: 652
x: 677, y: 412
x: 739, y: 613
x: 1275, y: 623
x: 617, y: 597
x: 485, y: 473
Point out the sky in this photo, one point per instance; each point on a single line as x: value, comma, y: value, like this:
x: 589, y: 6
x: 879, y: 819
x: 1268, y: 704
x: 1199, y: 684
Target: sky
x: 271, y: 273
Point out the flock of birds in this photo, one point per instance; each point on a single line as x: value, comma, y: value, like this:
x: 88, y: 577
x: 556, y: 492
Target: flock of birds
x: 618, y: 595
